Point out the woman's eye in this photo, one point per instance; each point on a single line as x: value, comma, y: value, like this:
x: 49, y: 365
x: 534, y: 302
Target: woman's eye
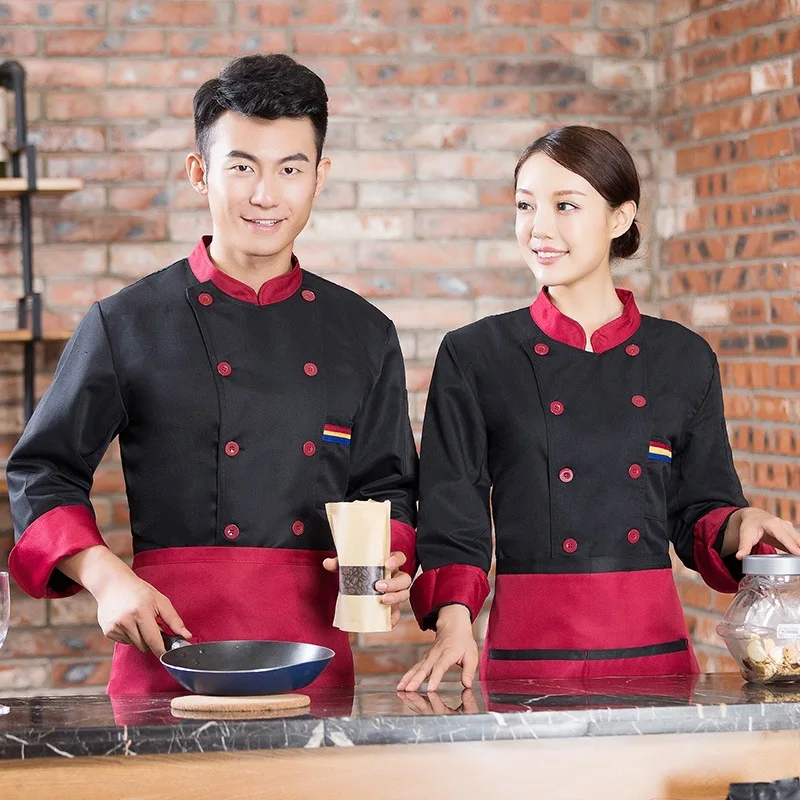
x: 564, y: 206
x: 523, y: 206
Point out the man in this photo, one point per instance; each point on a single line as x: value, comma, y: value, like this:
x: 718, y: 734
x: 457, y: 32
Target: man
x: 246, y: 393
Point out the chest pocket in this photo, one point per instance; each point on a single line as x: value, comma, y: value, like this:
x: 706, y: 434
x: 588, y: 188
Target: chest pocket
x: 659, y: 467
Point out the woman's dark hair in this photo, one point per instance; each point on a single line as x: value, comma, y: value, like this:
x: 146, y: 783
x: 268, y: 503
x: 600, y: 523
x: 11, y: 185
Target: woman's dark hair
x: 600, y: 158
x: 267, y: 86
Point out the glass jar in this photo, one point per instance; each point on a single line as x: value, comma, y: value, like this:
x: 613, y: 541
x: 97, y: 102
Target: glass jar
x: 762, y: 625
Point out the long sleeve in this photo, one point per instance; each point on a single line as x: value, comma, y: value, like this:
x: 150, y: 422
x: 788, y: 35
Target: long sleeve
x: 454, y: 538
x: 705, y: 491
x: 383, y: 458
x: 50, y: 471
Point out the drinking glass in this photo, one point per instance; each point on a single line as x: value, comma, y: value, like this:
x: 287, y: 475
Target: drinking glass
x: 5, y: 615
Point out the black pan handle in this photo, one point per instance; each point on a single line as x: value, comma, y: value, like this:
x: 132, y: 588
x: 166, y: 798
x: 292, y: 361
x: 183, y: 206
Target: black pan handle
x: 173, y: 642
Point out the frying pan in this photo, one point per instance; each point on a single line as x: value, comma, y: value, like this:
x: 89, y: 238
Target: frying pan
x: 243, y: 667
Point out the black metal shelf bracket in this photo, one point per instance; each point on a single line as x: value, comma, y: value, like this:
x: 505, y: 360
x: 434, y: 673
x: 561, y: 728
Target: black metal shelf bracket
x: 29, y: 316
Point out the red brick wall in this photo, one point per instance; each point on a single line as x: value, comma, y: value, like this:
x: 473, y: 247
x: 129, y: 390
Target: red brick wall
x: 728, y: 119
x: 431, y: 103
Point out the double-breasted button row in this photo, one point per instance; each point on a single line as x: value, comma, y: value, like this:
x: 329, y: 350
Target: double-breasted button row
x: 232, y: 448
x: 205, y: 299
x: 571, y: 545
x: 541, y: 349
x: 232, y: 531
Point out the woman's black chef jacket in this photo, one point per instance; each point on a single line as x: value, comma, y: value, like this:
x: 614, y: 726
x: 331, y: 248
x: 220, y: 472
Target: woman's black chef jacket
x: 239, y: 415
x: 595, y: 462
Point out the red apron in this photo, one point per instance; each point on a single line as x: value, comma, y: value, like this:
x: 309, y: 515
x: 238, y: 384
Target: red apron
x: 226, y: 593
x: 586, y: 626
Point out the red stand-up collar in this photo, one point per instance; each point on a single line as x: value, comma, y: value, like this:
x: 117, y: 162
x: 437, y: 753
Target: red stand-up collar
x: 563, y: 329
x: 273, y: 291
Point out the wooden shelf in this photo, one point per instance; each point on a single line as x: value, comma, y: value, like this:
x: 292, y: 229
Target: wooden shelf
x: 26, y: 336
x: 3, y: 486
x: 13, y: 187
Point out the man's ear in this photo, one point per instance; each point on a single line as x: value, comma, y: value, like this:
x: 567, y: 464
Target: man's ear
x: 196, y: 170
x: 323, y: 168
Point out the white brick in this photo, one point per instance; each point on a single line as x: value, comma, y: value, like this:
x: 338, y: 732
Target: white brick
x: 418, y: 195
x: 710, y: 312
x: 771, y: 76
x: 358, y: 226
x: 624, y: 74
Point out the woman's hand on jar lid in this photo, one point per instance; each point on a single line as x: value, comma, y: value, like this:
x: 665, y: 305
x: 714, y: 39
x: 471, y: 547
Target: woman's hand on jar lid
x: 757, y: 526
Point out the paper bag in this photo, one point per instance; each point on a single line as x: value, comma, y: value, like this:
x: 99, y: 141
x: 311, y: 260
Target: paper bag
x: 362, y: 536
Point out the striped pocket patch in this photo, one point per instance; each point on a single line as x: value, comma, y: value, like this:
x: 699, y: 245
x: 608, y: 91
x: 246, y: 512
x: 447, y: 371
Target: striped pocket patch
x: 337, y: 434
x: 660, y: 452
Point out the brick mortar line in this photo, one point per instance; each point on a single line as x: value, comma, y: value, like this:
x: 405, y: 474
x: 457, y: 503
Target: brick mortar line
x: 770, y: 97
x: 770, y: 425
x: 711, y: 75
x: 704, y: 202
x: 765, y: 458
x: 728, y: 5
x: 735, y: 103
x: 725, y: 43
x: 739, y: 230
x: 735, y: 263
x: 726, y: 104
x: 777, y: 494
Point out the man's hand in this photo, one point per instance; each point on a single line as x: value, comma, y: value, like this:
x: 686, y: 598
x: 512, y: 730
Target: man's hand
x: 128, y: 608
x: 395, y: 589
x: 128, y: 612
x: 454, y: 644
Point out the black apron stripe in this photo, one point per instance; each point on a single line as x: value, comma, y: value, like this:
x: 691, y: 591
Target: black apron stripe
x: 677, y: 646
x: 559, y: 566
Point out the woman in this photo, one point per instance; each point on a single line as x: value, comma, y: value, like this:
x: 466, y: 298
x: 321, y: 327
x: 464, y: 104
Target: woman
x: 591, y: 436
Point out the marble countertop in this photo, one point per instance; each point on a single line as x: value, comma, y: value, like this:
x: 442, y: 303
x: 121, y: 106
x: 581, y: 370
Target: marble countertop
x: 70, y: 726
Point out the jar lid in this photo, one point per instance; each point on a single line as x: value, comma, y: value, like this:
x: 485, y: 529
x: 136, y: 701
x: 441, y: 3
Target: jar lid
x: 777, y: 564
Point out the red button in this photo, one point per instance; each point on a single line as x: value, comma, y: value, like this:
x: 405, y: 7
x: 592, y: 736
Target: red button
x: 310, y: 369
x: 638, y: 401
x: 205, y: 299
x: 632, y: 349
x: 541, y: 349
x: 308, y: 295
x: 556, y: 408
x: 224, y: 368
x: 566, y: 475
x: 231, y: 531
x: 231, y: 448
x: 635, y: 471
x: 298, y: 529
x: 633, y: 536
x: 570, y: 545
x: 309, y: 448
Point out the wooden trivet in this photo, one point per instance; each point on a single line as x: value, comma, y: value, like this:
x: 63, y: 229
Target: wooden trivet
x: 239, y: 705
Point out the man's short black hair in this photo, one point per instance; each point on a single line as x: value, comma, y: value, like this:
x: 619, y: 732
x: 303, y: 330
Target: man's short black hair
x: 269, y: 86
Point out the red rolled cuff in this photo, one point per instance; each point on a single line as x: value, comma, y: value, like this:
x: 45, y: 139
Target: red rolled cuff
x: 454, y: 583
x: 404, y: 539
x: 58, y: 534
x: 709, y: 562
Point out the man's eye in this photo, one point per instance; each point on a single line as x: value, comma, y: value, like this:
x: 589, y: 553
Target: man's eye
x: 242, y: 167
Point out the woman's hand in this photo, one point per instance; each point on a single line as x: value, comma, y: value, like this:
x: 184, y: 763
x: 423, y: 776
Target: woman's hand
x: 749, y: 526
x: 454, y: 644
x: 433, y: 704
